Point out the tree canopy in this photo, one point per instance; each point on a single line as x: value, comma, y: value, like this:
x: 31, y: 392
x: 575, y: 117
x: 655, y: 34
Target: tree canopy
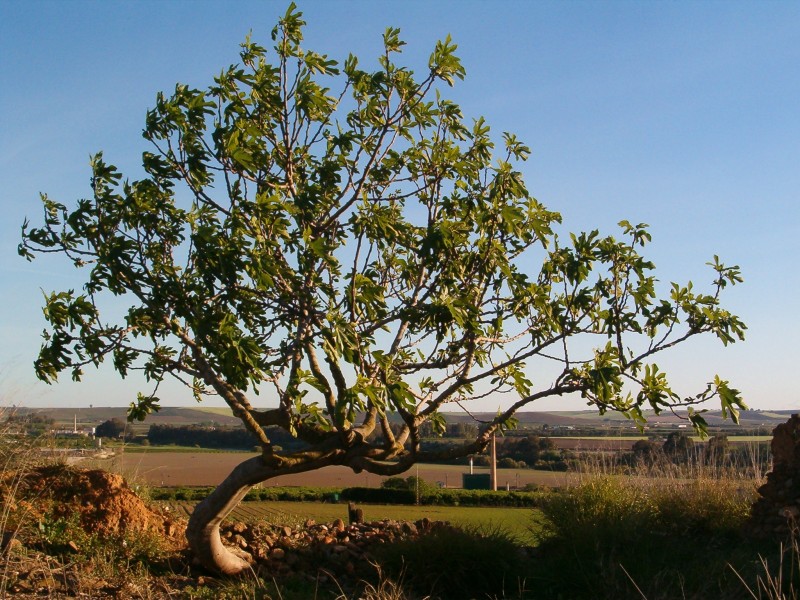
x: 111, y: 428
x: 340, y: 241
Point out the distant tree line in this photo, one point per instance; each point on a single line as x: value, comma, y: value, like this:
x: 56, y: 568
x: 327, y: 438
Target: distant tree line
x: 522, y: 452
x: 223, y: 438
x: 531, y: 450
x: 113, y: 428
x: 679, y: 448
x: 30, y: 418
x: 31, y: 424
x: 452, y: 430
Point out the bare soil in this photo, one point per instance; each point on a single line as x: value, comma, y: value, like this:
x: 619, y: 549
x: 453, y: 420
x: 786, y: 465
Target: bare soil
x: 70, y: 532
x: 105, y: 507
x: 103, y: 502
x: 207, y: 469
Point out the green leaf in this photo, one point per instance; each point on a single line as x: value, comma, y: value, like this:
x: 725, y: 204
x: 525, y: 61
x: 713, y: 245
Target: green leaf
x: 144, y: 405
x: 698, y: 422
x: 730, y: 399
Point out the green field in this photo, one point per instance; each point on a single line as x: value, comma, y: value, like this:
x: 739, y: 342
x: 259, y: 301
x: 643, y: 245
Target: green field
x: 517, y: 521
x: 613, y: 438
x: 215, y: 410
x: 731, y: 438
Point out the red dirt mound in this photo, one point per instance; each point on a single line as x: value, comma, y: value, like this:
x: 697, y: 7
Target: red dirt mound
x: 103, y: 501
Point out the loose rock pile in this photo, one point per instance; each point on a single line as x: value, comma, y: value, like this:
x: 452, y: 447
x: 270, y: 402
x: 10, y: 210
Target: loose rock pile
x: 322, y: 551
x: 777, y: 511
x: 102, y: 503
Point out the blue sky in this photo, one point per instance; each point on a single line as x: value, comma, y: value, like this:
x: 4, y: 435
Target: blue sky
x: 681, y: 115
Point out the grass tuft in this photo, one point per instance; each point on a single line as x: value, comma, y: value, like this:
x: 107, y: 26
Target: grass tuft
x: 457, y: 563
x: 648, y: 535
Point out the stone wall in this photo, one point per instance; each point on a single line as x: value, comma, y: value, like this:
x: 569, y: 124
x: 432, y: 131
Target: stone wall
x: 320, y: 551
x: 777, y: 510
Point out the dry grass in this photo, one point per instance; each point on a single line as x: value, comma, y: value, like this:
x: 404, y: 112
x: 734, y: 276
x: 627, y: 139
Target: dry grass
x: 659, y: 530
x: 46, y: 555
x: 779, y: 580
x: 650, y: 531
x: 17, y: 456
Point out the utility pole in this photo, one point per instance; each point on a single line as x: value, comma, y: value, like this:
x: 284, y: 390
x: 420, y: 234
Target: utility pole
x: 417, y: 484
x: 494, y: 463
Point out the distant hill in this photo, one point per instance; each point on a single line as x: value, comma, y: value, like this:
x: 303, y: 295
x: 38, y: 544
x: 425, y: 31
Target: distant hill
x: 590, y: 418
x: 168, y: 415
x: 186, y: 415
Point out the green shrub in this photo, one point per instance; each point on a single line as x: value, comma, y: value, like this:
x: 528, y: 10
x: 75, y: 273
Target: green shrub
x: 459, y: 497
x: 395, y: 483
x: 401, y: 491
x: 379, y: 495
x: 64, y: 536
x: 292, y: 494
x: 431, y: 495
x: 615, y: 537
x: 599, y: 511
x: 453, y: 563
x: 704, y: 507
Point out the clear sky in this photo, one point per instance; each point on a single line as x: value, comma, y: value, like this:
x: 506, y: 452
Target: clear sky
x: 683, y: 115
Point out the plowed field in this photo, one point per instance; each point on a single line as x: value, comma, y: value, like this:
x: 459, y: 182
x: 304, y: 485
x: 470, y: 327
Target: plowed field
x: 210, y: 468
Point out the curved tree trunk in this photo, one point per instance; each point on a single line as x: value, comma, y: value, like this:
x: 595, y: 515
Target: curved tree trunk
x: 202, y: 533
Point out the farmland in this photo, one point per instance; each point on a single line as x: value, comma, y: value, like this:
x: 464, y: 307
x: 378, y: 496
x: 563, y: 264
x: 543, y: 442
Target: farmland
x: 164, y: 468
x: 561, y: 424
x: 554, y: 522
x: 517, y: 521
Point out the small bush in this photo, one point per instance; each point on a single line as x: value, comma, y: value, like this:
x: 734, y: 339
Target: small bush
x: 379, y: 495
x: 284, y: 494
x: 704, y: 507
x: 291, y: 494
x: 599, y: 511
x: 441, y: 496
x: 459, y: 497
x: 615, y: 537
x: 452, y: 563
x: 395, y: 483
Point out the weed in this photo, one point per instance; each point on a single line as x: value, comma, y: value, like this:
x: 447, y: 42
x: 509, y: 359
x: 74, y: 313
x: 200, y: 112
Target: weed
x: 457, y: 563
x: 777, y: 582
x: 648, y: 534
x: 18, y: 453
x: 384, y: 588
x: 248, y: 587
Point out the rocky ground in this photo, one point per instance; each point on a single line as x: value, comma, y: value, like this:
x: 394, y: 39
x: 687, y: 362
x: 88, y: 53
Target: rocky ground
x: 777, y: 510
x: 319, y: 552
x: 69, y: 532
